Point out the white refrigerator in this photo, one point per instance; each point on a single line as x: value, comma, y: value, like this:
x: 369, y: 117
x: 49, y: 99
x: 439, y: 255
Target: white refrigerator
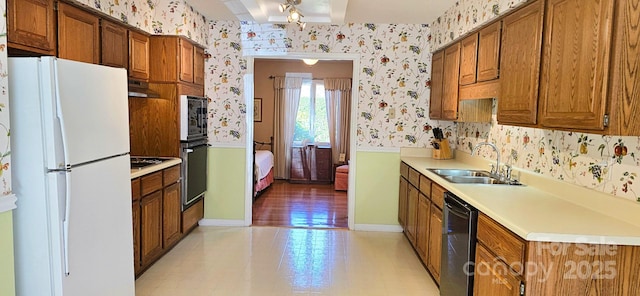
x: 70, y: 170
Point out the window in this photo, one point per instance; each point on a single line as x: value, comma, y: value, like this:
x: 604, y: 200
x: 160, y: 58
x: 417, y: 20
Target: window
x: 311, y: 120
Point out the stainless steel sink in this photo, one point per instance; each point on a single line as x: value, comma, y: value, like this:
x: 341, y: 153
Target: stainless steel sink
x: 462, y: 173
x: 471, y: 177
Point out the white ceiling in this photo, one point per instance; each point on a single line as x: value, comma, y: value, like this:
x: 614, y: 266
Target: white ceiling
x: 327, y: 11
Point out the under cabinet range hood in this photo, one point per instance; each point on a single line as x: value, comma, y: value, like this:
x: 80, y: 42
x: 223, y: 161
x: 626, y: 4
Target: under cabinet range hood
x: 140, y: 89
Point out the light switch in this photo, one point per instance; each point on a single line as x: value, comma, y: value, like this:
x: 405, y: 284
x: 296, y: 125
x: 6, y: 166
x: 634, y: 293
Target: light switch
x: 392, y: 113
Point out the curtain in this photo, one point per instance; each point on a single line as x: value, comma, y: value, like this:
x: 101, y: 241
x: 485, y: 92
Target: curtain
x: 287, y: 99
x: 338, y: 97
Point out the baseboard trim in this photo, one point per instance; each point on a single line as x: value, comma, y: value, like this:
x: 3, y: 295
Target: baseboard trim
x: 378, y: 227
x: 222, y: 222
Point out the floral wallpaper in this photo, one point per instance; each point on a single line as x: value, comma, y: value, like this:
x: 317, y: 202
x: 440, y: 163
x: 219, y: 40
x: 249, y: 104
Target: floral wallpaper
x: 161, y: 17
x: 465, y: 16
x: 604, y: 163
x: 395, y: 65
x: 5, y: 149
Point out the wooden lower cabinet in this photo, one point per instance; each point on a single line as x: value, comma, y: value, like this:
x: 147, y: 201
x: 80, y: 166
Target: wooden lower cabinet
x: 151, y: 227
x: 171, y: 215
x: 157, y: 215
x: 402, y: 203
x: 412, y: 214
x: 422, y: 233
x: 192, y: 215
x: 435, y: 242
x: 493, y: 277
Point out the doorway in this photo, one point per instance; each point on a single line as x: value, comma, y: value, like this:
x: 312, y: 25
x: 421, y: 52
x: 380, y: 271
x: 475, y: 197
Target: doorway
x: 284, y: 203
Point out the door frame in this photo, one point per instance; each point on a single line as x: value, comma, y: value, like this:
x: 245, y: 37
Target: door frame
x: 248, y: 97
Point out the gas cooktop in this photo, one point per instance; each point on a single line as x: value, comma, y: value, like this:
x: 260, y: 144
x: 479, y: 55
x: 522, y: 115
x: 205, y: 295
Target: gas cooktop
x: 141, y: 162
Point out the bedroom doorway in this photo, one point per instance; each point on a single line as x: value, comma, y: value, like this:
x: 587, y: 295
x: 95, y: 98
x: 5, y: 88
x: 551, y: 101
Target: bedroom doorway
x: 316, y: 203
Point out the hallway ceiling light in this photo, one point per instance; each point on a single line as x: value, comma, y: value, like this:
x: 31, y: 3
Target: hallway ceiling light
x: 294, y: 14
x: 310, y: 62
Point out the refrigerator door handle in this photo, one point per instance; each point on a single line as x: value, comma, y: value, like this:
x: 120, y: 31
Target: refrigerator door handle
x: 65, y: 222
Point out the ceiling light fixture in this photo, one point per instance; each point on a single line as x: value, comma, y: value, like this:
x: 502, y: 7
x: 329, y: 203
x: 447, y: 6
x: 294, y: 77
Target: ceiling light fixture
x: 310, y: 62
x: 294, y: 14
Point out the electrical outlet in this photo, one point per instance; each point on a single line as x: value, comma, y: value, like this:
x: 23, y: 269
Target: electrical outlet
x: 392, y: 113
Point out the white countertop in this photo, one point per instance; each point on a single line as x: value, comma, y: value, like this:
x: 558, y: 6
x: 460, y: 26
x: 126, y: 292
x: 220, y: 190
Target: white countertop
x: 135, y: 173
x: 536, y: 213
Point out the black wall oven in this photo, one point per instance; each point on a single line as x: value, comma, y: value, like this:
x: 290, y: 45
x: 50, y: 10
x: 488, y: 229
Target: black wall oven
x: 194, y: 171
x: 193, y: 141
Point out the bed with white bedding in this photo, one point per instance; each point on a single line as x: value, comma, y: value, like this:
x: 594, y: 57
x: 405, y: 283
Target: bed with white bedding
x: 263, y: 169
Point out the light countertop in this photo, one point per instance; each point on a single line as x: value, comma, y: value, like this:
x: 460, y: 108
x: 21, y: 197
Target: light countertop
x: 544, y: 209
x: 135, y: 173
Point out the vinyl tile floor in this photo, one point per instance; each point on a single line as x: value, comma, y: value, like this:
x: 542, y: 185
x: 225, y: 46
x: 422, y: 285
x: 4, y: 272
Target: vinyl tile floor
x: 288, y: 261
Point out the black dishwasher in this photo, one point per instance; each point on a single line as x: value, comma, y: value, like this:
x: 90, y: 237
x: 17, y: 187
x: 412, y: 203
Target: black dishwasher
x: 459, y: 227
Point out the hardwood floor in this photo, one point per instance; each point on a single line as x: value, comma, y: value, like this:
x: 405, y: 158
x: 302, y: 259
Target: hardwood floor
x: 301, y: 205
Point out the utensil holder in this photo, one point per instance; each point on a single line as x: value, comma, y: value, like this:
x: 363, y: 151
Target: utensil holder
x: 444, y: 152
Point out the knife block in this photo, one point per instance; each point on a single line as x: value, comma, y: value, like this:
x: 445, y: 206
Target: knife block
x: 444, y: 152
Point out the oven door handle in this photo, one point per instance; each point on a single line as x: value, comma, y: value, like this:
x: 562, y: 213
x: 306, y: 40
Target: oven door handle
x: 188, y: 150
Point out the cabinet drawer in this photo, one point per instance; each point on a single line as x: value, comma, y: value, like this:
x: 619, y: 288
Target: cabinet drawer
x: 414, y: 177
x: 151, y: 183
x: 192, y: 215
x: 135, y: 189
x: 425, y: 186
x: 437, y: 195
x: 404, y: 170
x: 502, y: 242
x: 171, y: 175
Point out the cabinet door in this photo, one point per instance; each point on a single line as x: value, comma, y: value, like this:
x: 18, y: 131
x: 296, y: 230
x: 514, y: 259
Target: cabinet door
x: 435, y: 242
x: 171, y: 215
x: 138, y: 56
x: 186, y: 60
x: 135, y: 211
x: 520, y: 65
x: 31, y: 25
x: 468, y: 59
x: 437, y: 72
x: 115, y: 45
x: 422, y: 232
x: 450, y: 82
x: 78, y: 34
x: 412, y: 213
x: 575, y: 63
x: 151, y: 227
x: 489, y: 52
x: 198, y: 66
x: 492, y: 277
x: 402, y: 203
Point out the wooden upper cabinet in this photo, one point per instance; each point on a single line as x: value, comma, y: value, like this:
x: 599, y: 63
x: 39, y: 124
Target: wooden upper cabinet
x: 115, y: 45
x: 31, y: 26
x: 575, y: 63
x: 186, y: 60
x: 138, y: 56
x: 175, y: 60
x: 488, y: 52
x: 520, y: 65
x: 198, y: 66
x: 437, y: 72
x: 450, y: 82
x: 468, y: 59
x: 78, y: 34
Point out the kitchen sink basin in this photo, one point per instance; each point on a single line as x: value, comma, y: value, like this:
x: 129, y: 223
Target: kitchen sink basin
x: 471, y: 177
x: 461, y: 173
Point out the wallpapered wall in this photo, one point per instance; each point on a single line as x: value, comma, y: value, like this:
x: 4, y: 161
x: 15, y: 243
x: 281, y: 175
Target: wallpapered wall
x: 162, y: 17
x: 394, y: 69
x: 5, y: 150
x: 605, y: 163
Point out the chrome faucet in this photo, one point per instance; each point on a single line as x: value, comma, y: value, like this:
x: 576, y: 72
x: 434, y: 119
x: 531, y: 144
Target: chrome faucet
x: 495, y: 170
